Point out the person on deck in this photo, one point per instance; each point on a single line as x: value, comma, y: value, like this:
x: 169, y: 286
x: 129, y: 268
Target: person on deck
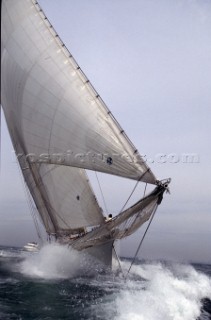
x: 109, y: 218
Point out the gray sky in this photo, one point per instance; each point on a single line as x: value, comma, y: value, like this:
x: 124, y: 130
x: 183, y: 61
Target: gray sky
x: 151, y: 63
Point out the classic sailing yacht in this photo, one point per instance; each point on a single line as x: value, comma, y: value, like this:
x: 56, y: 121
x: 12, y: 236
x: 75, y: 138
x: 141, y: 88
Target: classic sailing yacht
x: 60, y: 127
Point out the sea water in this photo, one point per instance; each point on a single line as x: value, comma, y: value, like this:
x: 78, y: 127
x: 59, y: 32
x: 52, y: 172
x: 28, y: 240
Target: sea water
x: 49, y: 285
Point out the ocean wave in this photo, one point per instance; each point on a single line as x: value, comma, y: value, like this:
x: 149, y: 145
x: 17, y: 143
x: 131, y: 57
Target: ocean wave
x: 173, y: 291
x: 152, y: 291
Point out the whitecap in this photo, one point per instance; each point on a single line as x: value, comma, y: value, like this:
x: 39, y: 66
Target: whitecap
x: 172, y: 292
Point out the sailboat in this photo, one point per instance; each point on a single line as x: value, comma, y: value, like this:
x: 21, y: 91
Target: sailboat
x: 60, y: 127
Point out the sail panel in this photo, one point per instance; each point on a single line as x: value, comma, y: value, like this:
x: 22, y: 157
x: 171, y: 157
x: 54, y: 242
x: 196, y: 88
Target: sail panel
x: 132, y: 224
x: 72, y: 202
x: 57, y: 110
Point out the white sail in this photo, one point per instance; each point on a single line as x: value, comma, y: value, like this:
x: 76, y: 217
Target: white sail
x: 57, y: 115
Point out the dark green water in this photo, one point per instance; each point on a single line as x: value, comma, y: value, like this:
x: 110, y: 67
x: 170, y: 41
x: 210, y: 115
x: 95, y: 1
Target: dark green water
x: 46, y: 285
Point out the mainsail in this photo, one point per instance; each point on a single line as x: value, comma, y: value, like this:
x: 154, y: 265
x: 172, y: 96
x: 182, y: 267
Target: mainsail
x: 59, y: 116
x: 60, y: 126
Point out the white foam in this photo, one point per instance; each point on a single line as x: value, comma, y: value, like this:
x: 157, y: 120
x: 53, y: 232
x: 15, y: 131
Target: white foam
x: 171, y: 293
x: 54, y: 261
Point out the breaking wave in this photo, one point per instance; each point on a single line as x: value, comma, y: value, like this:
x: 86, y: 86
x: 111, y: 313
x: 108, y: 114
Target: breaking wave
x: 153, y: 290
x: 171, y: 292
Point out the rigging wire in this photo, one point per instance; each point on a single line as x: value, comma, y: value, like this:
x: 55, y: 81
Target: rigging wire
x: 145, y: 189
x: 134, y: 188
x: 102, y: 195
x: 138, y: 214
x: 142, y: 239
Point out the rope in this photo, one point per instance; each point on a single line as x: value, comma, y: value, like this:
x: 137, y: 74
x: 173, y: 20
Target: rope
x: 129, y: 196
x: 139, y: 246
x: 101, y: 193
x: 134, y: 190
x: 137, y: 214
x: 145, y: 189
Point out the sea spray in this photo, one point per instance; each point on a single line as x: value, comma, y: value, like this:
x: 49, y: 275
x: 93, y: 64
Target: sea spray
x: 55, y: 261
x: 172, y: 292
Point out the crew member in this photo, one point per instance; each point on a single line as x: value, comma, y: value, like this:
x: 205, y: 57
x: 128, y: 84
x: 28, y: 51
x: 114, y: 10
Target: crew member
x: 109, y: 218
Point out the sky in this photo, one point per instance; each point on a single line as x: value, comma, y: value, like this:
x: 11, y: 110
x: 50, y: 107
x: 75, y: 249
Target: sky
x: 151, y: 63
